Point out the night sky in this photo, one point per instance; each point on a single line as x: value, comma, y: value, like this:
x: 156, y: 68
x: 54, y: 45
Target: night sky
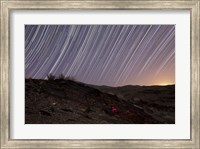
x: 113, y: 55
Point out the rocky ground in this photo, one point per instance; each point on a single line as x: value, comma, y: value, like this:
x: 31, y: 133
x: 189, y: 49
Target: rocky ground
x: 70, y: 102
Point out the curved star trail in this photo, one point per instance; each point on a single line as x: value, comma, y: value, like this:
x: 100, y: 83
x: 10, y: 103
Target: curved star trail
x: 113, y: 55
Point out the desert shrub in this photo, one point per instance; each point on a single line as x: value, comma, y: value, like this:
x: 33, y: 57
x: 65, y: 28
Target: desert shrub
x: 61, y: 77
x: 51, y: 77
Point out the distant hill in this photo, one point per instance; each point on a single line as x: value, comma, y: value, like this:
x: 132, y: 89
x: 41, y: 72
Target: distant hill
x: 131, y: 91
x: 61, y: 101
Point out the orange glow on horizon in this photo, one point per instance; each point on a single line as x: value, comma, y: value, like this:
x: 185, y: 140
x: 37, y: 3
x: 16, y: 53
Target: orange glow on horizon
x: 165, y: 83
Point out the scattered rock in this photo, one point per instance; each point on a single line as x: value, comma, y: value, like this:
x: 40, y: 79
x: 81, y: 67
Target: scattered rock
x: 46, y: 113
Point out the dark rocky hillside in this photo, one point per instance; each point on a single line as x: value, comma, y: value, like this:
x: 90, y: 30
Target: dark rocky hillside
x: 157, y: 101
x: 60, y: 101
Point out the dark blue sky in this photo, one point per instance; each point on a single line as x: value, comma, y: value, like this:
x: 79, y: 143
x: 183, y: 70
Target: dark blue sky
x: 113, y: 55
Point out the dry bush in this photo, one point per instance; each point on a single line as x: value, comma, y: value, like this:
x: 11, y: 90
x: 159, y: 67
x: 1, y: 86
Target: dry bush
x: 51, y: 77
x: 61, y: 77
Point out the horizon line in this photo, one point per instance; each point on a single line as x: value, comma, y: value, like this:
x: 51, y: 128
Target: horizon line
x: 105, y: 85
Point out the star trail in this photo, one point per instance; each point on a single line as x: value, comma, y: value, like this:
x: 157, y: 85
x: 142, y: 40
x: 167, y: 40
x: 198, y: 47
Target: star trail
x: 113, y: 55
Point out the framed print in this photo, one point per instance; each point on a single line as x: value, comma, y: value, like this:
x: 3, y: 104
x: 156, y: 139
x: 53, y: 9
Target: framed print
x: 100, y: 74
